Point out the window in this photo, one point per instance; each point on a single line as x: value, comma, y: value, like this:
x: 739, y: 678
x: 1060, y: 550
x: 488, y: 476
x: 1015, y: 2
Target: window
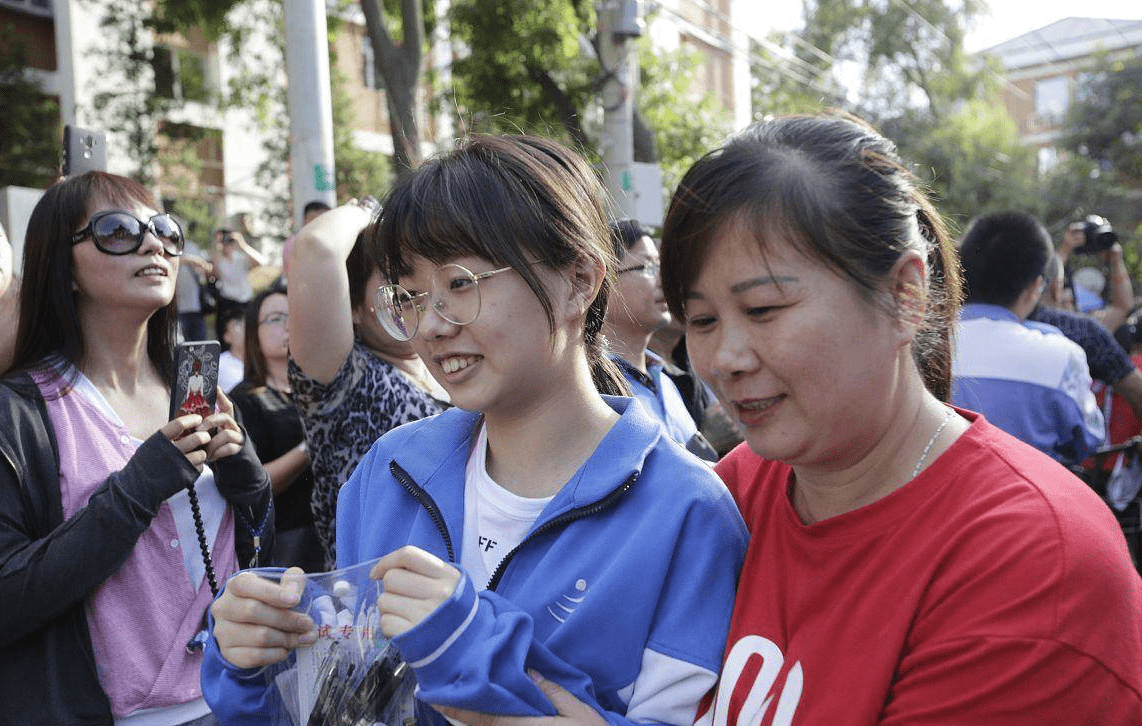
x: 1052, y: 96
x: 368, y: 67
x: 191, y: 160
x: 179, y: 74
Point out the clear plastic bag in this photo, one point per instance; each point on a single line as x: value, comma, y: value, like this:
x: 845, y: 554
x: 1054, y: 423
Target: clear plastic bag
x: 352, y: 675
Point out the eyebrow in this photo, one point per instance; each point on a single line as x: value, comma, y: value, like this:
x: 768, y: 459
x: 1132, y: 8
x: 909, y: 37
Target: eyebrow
x: 749, y: 284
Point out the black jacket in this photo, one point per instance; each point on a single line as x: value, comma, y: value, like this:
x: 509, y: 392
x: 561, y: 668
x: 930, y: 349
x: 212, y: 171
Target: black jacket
x: 48, y: 566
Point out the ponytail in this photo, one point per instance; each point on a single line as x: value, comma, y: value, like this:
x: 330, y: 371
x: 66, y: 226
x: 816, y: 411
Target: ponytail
x: 932, y: 348
x: 605, y: 373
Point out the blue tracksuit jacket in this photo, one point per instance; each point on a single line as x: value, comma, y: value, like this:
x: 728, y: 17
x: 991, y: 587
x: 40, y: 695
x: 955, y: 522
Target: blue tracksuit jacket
x: 621, y: 592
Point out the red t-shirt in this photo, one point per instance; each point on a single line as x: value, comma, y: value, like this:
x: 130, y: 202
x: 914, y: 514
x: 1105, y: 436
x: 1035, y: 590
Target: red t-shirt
x: 995, y: 588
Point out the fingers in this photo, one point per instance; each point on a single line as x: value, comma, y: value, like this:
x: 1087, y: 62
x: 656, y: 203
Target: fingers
x: 348, y: 218
x: 253, y: 621
x: 416, y: 583
x: 415, y: 560
x: 223, y: 402
x: 583, y: 714
x: 179, y: 425
x: 226, y: 437
x: 182, y: 432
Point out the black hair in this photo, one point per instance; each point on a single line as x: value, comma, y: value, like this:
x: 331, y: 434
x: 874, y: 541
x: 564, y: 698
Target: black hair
x: 48, y: 323
x: 518, y: 201
x: 1002, y: 254
x: 315, y: 205
x: 836, y: 189
x: 255, y: 368
x: 625, y: 233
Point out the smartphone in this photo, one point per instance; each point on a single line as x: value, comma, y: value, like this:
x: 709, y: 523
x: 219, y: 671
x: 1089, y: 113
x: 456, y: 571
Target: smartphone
x: 83, y: 150
x: 194, y: 388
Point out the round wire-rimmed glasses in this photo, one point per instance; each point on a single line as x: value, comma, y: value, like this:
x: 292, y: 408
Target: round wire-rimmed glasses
x: 454, y: 293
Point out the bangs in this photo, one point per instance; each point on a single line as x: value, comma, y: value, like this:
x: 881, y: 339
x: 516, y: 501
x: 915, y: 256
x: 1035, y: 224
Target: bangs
x: 462, y: 206
x: 106, y: 189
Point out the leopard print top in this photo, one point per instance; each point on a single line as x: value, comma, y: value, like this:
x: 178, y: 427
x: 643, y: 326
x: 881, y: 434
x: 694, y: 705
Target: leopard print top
x: 343, y: 418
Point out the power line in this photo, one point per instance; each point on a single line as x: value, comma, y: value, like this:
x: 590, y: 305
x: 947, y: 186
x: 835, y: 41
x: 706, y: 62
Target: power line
x: 809, y: 82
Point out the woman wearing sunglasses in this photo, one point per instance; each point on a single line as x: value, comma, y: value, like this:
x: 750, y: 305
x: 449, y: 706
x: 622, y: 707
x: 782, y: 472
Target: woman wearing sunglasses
x: 539, y: 524
x: 115, y: 523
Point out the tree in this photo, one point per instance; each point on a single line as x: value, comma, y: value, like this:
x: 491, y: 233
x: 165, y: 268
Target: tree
x: 398, y: 60
x: 524, y: 66
x: 876, y: 58
x: 30, y: 124
x: 913, y: 82
x: 398, y: 29
x: 684, y: 128
x: 1101, y: 172
x: 535, y: 67
x: 970, y: 158
x: 1105, y: 123
x: 127, y: 102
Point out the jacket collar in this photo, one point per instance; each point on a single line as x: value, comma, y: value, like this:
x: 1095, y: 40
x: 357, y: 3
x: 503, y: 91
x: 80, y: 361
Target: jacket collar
x: 435, y: 456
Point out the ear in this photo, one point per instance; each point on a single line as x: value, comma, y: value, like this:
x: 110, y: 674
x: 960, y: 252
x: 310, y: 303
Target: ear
x: 909, y: 288
x: 586, y: 280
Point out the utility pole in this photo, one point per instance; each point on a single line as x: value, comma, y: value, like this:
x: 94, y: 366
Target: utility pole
x: 618, y: 26
x: 310, y: 105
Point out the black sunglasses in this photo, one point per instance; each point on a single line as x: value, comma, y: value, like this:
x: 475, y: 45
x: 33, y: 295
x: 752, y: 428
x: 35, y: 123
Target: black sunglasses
x: 116, y: 232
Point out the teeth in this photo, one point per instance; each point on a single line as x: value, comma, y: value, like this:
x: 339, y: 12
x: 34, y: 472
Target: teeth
x: 150, y: 271
x: 451, y: 365
x: 757, y: 405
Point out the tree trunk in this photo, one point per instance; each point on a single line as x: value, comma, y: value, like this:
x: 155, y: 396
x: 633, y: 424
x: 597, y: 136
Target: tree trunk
x: 568, y: 114
x: 399, y: 66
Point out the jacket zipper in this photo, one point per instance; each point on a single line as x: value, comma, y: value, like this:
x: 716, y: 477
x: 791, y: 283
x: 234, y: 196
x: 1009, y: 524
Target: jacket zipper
x: 425, y: 501
x: 566, y: 518
x: 563, y: 519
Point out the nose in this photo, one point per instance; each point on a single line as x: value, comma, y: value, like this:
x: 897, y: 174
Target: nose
x: 432, y: 325
x: 151, y: 243
x: 725, y: 354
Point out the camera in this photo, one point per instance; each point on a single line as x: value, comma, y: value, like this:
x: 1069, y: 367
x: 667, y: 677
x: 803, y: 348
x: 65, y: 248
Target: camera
x: 1098, y: 235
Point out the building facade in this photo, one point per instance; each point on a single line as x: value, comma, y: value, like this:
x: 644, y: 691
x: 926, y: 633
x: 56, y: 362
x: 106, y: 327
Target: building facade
x: 1045, y: 70
x: 214, y: 154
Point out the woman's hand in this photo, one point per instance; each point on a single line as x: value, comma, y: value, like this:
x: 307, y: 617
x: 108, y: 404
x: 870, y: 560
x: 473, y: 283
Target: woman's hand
x: 253, y: 620
x: 416, y: 583
x: 571, y: 711
x: 226, y: 437
x: 185, y: 433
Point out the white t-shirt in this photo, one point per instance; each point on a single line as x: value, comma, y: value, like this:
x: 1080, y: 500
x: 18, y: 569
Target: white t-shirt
x: 495, y: 520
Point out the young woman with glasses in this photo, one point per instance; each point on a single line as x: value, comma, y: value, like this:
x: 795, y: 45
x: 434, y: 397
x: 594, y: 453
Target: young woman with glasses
x: 271, y: 419
x: 540, y: 524
x: 115, y: 523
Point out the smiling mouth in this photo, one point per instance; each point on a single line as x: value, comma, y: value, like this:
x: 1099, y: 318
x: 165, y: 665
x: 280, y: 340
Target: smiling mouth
x: 151, y: 272
x: 757, y: 405
x: 457, y: 363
